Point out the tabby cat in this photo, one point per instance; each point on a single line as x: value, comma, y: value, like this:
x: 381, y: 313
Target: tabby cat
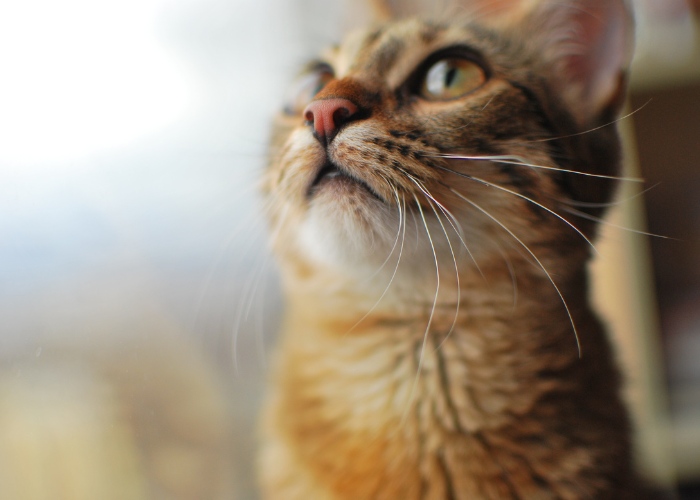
x: 433, y: 193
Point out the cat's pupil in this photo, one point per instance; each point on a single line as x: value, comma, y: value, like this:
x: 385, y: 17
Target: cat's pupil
x: 450, y: 77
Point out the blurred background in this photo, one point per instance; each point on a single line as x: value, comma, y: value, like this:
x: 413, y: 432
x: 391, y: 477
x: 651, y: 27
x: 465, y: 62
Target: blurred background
x: 138, y: 304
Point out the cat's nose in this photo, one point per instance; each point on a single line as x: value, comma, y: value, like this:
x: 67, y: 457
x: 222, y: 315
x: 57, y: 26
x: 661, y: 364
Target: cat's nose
x: 328, y: 115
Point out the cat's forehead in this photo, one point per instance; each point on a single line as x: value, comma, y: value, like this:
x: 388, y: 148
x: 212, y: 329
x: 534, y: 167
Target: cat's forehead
x: 392, y: 51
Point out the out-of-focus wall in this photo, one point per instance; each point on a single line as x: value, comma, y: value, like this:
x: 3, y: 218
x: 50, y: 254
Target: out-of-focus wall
x: 669, y: 157
x: 665, y: 95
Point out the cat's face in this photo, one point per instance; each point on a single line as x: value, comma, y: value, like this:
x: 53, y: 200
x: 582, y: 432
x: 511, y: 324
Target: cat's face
x: 439, y: 141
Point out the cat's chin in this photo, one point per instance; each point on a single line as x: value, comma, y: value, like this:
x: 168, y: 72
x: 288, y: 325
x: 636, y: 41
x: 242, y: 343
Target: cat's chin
x: 341, y: 186
x: 337, y: 183
x: 348, y: 229
x: 347, y: 225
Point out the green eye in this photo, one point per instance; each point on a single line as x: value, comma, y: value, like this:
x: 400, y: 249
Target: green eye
x: 451, y: 78
x: 305, y: 89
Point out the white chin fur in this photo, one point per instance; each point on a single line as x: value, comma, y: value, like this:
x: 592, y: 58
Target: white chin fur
x: 345, y: 238
x: 367, y: 240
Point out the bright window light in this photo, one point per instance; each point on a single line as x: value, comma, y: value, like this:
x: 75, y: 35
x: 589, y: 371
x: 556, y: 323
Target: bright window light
x: 80, y: 76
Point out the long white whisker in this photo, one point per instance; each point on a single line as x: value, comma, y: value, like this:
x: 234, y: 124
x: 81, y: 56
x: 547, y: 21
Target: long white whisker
x: 599, y: 220
x: 511, y: 271
x: 421, y: 356
x: 225, y: 247
x: 459, y: 288
x: 248, y: 298
x: 398, y: 230
x: 260, y: 323
x: 577, y: 134
x: 532, y: 254
x: 466, y: 125
x: 457, y: 227
x: 450, y: 218
x: 517, y: 160
x: 250, y: 289
x: 628, y: 115
x: 584, y: 204
x: 522, y: 196
x: 402, y: 230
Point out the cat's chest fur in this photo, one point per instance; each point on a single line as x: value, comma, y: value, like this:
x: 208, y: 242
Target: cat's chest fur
x: 388, y: 410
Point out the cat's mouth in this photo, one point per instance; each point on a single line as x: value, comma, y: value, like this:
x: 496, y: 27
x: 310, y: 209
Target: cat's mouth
x: 331, y: 173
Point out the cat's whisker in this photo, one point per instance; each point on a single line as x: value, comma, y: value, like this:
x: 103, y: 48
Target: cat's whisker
x: 609, y: 124
x: 532, y: 254
x: 511, y: 271
x: 517, y: 160
x: 276, y: 230
x: 457, y: 227
x: 488, y: 103
x: 402, y: 230
x: 249, y: 292
x: 461, y: 127
x: 260, y: 317
x: 543, y: 207
x: 421, y: 356
x: 253, y: 221
x: 454, y: 222
x: 459, y: 288
x: 251, y: 286
x: 526, y: 198
x: 599, y: 220
x: 398, y: 230
x: 584, y: 204
x: 219, y: 257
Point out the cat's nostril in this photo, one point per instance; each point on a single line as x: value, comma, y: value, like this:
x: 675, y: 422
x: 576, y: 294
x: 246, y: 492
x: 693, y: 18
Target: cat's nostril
x: 328, y: 115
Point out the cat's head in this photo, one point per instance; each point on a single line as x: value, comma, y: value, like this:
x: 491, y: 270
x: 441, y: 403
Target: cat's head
x: 452, y: 139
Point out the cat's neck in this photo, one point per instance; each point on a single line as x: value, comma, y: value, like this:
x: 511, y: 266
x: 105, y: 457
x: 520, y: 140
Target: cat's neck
x: 484, y: 332
x: 491, y: 341
x: 482, y: 312
x: 346, y: 304
x: 419, y: 385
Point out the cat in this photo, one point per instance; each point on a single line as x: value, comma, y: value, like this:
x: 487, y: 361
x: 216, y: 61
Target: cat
x: 433, y: 193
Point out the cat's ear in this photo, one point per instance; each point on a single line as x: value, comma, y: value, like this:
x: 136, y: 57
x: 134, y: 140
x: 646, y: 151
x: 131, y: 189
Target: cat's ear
x: 590, y: 43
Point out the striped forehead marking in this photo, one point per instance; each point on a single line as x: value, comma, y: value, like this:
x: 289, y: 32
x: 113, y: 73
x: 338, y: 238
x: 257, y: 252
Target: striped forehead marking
x: 381, y: 49
x: 385, y: 56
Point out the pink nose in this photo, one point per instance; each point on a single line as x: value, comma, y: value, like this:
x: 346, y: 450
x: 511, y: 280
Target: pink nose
x: 328, y: 115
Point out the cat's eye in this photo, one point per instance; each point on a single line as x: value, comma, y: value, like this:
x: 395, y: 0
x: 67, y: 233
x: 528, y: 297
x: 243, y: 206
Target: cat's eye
x: 306, y: 87
x: 451, y: 78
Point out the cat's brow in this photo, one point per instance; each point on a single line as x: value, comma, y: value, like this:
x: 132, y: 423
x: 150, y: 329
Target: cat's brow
x: 429, y: 32
x: 384, y: 57
x: 368, y: 44
x: 382, y: 49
